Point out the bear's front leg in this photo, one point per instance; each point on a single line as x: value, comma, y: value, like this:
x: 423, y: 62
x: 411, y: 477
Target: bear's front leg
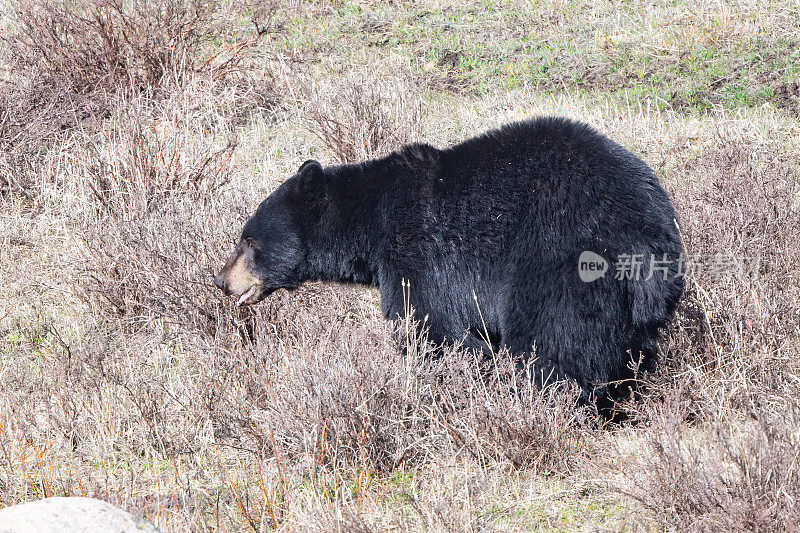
x: 436, y: 324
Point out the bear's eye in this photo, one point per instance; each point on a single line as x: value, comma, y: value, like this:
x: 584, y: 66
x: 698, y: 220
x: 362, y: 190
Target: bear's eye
x: 250, y: 242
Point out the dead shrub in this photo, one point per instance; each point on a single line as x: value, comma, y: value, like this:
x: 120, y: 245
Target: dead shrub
x: 737, y: 326
x: 351, y: 397
x: 148, y: 153
x: 734, y: 474
x: 153, y: 268
x: 359, y: 116
x: 111, y: 45
x: 74, y: 65
x: 722, y: 416
x: 496, y: 413
x: 154, y: 190
x: 35, y: 111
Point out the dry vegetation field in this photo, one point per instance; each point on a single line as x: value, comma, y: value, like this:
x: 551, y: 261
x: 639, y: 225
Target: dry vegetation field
x: 136, y: 137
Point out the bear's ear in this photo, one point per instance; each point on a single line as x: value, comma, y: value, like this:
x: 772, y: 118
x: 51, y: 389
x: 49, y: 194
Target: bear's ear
x: 308, y: 163
x: 313, y: 181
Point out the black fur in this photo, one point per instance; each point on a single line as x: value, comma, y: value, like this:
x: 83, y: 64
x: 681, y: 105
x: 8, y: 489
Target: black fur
x: 502, y: 218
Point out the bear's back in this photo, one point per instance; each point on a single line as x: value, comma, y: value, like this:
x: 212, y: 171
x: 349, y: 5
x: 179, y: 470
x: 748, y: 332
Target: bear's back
x: 553, y: 153
x: 562, y: 173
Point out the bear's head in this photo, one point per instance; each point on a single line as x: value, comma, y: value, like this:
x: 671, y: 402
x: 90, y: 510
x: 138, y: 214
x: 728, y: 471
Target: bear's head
x: 273, y: 249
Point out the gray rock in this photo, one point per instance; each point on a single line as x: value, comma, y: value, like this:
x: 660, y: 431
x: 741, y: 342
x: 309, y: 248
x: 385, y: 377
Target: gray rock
x: 70, y: 515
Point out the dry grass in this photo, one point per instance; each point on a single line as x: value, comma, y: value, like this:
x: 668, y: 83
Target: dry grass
x: 126, y: 376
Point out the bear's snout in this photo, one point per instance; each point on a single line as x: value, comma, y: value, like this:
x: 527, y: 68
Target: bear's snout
x: 221, y: 285
x: 237, y: 279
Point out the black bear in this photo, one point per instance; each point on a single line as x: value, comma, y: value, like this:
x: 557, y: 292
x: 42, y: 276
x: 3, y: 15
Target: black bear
x: 543, y: 237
